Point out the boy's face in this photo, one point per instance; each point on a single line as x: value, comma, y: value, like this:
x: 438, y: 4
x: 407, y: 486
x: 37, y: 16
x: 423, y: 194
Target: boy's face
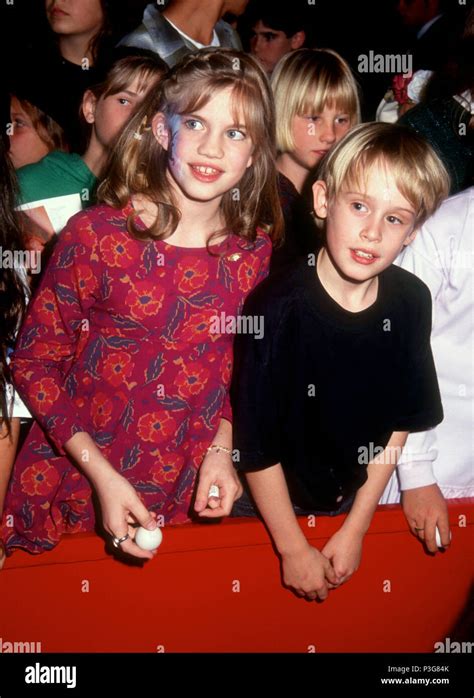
x: 367, y: 226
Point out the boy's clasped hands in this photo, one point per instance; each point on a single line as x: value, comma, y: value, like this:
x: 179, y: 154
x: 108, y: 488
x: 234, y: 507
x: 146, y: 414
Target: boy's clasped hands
x: 313, y: 573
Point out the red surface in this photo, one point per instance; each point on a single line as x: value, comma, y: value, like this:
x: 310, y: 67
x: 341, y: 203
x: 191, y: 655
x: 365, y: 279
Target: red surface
x: 188, y: 600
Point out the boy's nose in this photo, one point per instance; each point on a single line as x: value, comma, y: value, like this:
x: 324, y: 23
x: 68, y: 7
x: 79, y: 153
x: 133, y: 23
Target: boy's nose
x: 372, y: 231
x: 328, y: 133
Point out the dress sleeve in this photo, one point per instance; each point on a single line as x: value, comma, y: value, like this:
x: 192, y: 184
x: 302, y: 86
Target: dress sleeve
x: 420, y: 399
x: 56, y: 322
x: 264, y: 254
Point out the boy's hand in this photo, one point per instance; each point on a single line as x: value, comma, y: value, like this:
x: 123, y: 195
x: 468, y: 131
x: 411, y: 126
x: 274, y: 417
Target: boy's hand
x: 308, y: 572
x: 344, y: 550
x: 425, y: 508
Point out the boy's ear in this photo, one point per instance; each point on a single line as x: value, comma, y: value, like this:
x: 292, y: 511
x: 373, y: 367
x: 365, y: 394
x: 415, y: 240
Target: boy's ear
x: 89, y: 103
x: 411, y: 237
x: 160, y: 130
x: 297, y: 40
x: 320, y: 201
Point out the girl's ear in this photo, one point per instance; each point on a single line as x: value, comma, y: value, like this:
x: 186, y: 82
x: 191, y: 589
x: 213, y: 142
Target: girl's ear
x: 89, y: 103
x: 160, y: 130
x: 320, y: 200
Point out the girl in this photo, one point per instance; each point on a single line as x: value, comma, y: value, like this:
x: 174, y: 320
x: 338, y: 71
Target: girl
x: 79, y: 43
x: 316, y: 103
x: 13, y: 290
x: 34, y: 133
x: 120, y: 358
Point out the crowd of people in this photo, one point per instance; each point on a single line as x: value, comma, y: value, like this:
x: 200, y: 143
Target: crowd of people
x: 219, y: 302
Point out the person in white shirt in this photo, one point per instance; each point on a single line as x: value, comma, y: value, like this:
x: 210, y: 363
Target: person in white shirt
x: 185, y: 26
x: 439, y: 464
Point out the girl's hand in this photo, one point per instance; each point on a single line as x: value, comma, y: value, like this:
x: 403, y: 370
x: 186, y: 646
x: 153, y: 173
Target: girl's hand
x: 217, y: 469
x: 344, y: 550
x: 308, y: 572
x: 121, y: 507
x: 425, y: 508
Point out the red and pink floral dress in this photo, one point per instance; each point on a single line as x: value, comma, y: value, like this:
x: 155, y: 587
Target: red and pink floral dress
x: 120, y: 342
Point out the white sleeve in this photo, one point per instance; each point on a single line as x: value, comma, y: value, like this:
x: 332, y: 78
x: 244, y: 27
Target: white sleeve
x: 424, y: 259
x: 415, y: 466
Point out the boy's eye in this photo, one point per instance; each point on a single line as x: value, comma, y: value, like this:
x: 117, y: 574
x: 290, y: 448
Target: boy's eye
x: 19, y: 123
x: 236, y: 135
x: 395, y: 220
x: 358, y: 206
x: 194, y: 124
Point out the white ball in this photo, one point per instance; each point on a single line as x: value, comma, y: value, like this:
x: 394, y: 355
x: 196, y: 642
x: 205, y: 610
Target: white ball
x: 438, y: 538
x: 148, y: 540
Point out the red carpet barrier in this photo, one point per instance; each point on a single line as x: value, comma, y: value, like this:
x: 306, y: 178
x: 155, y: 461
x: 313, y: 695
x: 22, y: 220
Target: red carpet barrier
x: 216, y: 588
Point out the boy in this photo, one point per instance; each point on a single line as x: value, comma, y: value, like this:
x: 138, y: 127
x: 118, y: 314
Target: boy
x: 323, y: 403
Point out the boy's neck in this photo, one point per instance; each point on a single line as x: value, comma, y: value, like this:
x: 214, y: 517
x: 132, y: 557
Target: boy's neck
x: 350, y: 295
x: 195, y: 18
x: 76, y: 47
x: 294, y: 172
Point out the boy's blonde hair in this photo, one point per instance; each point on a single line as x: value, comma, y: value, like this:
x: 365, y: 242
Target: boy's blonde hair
x: 304, y: 83
x: 139, y: 163
x: 419, y: 174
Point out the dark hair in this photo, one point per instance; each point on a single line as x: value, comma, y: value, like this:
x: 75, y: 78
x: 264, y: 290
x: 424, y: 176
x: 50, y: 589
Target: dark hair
x: 278, y: 17
x: 12, y: 289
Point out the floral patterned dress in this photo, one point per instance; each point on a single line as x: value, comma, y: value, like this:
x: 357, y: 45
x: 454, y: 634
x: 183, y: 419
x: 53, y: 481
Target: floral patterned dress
x: 120, y: 341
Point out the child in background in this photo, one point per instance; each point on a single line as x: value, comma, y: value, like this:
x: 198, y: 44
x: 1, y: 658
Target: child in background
x: 106, y: 108
x: 323, y: 403
x: 316, y: 103
x: 34, y: 132
x: 119, y: 357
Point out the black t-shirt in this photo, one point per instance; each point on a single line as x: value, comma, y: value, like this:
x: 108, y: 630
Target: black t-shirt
x: 324, y: 388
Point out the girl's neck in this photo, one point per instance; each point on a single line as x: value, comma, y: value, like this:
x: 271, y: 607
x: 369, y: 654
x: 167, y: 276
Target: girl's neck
x: 198, y: 219
x: 350, y: 295
x: 294, y: 172
x: 95, y: 156
x: 74, y: 48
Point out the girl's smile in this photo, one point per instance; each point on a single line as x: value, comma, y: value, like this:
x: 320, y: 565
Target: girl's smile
x: 209, y: 149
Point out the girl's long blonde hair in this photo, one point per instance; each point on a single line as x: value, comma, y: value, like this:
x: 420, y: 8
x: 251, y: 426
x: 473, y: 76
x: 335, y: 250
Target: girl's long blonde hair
x: 138, y: 164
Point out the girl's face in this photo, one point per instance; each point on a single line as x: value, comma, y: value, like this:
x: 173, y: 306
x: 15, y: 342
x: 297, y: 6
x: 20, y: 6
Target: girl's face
x: 110, y: 115
x: 315, y: 134
x: 26, y: 146
x: 74, y: 16
x: 209, y: 150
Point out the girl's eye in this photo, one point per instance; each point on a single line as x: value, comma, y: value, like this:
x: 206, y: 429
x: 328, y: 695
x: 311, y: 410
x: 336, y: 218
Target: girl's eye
x: 236, y: 135
x: 19, y: 123
x: 313, y: 118
x: 358, y: 206
x: 194, y: 125
x: 342, y: 120
x: 123, y: 101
